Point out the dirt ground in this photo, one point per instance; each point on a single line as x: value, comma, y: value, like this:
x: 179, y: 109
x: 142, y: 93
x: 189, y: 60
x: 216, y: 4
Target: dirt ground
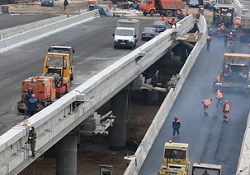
x: 90, y: 156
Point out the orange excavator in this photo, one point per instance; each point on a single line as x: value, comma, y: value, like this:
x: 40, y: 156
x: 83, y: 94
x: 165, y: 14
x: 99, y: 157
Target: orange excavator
x: 55, y: 80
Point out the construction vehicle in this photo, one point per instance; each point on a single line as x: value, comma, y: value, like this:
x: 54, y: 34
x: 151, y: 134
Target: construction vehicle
x: 55, y: 80
x: 223, y: 13
x: 163, y: 7
x: 235, y: 73
x: 176, y: 161
x: 244, y: 29
x: 126, y: 33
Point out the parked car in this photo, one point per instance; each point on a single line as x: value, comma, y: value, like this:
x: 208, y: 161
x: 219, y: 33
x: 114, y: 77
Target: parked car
x: 148, y: 33
x: 47, y: 2
x: 194, y: 3
x: 160, y: 26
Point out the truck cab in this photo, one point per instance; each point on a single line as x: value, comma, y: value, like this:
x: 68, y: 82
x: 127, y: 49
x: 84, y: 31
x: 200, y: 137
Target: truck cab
x: 67, y: 50
x: 175, y: 159
x: 58, y: 66
x: 126, y: 33
x: 235, y: 73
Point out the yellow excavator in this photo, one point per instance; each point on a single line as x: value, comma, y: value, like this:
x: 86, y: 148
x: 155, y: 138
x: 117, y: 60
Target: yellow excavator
x: 176, y: 162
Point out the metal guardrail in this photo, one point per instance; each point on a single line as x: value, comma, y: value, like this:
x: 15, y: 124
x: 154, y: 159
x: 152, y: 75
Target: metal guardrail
x: 58, y: 119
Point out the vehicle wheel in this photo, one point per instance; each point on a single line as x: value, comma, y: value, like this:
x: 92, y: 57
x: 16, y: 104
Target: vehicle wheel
x: 152, y: 12
x: 169, y: 13
x: 145, y: 13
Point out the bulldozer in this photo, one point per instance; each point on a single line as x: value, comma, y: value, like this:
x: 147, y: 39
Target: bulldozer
x: 176, y: 161
x: 55, y: 80
x: 235, y: 73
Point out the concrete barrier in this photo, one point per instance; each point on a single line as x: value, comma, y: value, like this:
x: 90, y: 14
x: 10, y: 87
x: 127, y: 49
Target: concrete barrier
x: 154, y: 129
x: 6, y: 33
x: 42, y: 31
x: 244, y: 159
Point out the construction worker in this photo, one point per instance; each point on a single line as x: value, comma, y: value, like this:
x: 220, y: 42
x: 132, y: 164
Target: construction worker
x: 205, y: 172
x: 163, y: 18
x: 218, y: 78
x: 65, y: 4
x: 176, y: 126
x: 201, y: 11
x: 178, y: 13
x: 219, y: 97
x: 206, y: 103
x: 188, y: 12
x: 222, y: 29
x: 226, y: 108
x: 209, y: 39
x: 32, y: 105
x: 32, y: 140
x: 28, y: 95
x: 172, y: 23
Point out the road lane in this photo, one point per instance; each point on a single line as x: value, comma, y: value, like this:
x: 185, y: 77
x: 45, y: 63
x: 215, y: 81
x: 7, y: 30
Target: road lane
x: 93, y: 43
x: 210, y: 139
x: 9, y: 21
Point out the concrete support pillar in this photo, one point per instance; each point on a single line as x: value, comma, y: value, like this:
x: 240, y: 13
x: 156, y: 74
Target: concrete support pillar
x: 66, y: 160
x: 118, y: 132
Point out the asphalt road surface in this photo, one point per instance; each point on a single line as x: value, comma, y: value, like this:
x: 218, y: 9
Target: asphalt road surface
x: 210, y: 139
x: 93, y: 43
x: 9, y: 21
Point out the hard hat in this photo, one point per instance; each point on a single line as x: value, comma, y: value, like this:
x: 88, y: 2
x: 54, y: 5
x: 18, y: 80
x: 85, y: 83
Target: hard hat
x: 231, y: 33
x: 33, y: 96
x: 30, y: 88
x: 226, y: 101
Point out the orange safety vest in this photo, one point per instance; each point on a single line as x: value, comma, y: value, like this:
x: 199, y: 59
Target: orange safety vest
x: 219, y: 94
x: 171, y: 21
x: 209, y: 38
x: 162, y: 18
x: 226, y: 107
x: 218, y: 78
x: 207, y: 102
x: 222, y: 27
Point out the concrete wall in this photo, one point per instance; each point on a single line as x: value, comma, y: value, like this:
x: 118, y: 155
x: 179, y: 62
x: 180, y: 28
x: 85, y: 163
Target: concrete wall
x: 244, y: 159
x: 30, y: 34
x: 149, y: 138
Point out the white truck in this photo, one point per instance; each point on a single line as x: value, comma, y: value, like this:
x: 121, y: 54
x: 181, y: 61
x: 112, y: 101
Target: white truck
x: 126, y: 33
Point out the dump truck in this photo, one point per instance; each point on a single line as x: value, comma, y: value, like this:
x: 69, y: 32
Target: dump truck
x: 126, y: 33
x: 235, y: 73
x: 55, y: 80
x: 245, y: 29
x: 176, y: 161
x: 163, y: 7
